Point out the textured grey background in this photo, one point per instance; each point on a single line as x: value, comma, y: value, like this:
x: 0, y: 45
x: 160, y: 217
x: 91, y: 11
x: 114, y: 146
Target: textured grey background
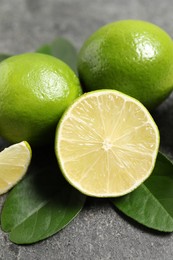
x: 99, y: 232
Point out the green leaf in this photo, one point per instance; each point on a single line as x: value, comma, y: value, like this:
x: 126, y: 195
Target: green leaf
x: 151, y: 204
x: 3, y: 56
x: 39, y: 206
x: 62, y: 49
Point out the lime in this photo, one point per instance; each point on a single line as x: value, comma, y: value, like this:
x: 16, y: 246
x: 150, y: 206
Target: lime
x: 132, y: 56
x: 106, y: 143
x: 14, y: 162
x: 35, y: 90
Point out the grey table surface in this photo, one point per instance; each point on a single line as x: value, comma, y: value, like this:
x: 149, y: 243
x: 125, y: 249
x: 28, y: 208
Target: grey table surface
x: 99, y: 232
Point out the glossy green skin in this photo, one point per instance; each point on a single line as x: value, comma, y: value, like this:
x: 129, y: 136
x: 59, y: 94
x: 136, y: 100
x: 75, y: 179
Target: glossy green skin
x: 35, y: 89
x: 135, y: 57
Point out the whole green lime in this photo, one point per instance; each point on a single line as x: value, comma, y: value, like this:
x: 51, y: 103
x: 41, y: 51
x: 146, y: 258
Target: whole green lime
x: 132, y: 56
x: 35, y: 89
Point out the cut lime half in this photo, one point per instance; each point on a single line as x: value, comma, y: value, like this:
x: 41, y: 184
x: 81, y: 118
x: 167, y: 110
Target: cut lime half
x: 106, y: 143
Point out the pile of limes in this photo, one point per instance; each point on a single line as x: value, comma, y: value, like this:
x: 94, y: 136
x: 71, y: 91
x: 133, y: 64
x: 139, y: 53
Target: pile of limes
x: 106, y: 141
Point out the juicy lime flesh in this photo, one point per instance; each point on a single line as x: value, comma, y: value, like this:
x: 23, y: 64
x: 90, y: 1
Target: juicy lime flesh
x: 106, y: 144
x: 14, y: 162
x: 134, y: 57
x: 35, y: 90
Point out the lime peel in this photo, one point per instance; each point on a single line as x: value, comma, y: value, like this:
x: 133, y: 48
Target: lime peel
x: 131, y: 56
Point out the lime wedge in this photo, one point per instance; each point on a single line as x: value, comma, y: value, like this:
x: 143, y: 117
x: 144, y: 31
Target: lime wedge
x: 14, y: 162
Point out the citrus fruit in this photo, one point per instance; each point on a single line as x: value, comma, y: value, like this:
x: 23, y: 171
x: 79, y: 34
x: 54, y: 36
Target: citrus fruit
x: 106, y: 143
x: 132, y: 56
x: 14, y: 162
x: 35, y: 90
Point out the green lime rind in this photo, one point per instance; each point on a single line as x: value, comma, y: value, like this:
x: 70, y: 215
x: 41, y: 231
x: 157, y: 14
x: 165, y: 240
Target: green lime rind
x: 132, y: 56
